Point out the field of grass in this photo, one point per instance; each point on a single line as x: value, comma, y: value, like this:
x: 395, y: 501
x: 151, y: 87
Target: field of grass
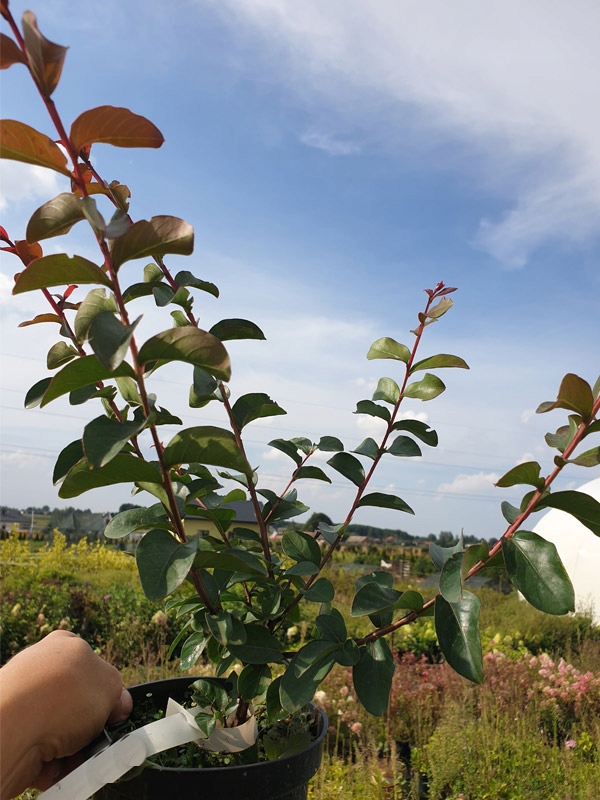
x: 530, y: 732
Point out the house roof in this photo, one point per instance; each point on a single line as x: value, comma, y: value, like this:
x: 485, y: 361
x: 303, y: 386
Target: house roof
x: 10, y: 515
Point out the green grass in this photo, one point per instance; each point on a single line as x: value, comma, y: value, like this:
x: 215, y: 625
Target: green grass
x: 442, y: 738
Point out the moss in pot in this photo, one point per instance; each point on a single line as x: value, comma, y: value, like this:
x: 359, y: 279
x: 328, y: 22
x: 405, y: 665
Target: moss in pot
x: 242, y: 590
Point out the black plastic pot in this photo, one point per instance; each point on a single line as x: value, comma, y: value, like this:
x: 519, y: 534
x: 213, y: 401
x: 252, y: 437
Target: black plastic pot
x: 285, y: 778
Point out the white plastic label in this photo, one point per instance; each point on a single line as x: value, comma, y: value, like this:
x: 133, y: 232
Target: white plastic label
x: 177, y: 728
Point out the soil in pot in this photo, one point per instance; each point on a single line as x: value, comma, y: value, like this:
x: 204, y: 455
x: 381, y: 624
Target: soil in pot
x: 285, y: 778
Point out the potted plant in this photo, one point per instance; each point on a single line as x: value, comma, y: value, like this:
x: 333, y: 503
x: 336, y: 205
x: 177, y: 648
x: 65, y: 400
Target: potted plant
x: 243, y: 590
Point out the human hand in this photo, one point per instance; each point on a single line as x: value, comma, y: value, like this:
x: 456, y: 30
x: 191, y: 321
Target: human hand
x: 57, y: 695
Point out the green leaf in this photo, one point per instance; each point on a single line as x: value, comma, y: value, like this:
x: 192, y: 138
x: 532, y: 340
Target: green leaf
x: 233, y: 559
x: 457, y: 629
x: 190, y: 345
x: 563, y: 436
x: 157, y: 237
x: 381, y: 500
x: 36, y: 393
x: 307, y: 669
x: 300, y: 547
x: 228, y: 329
x: 388, y: 348
x: 314, y: 473
x: 439, y: 361
x: 330, y: 532
x: 439, y: 555
x: 437, y: 311
x: 118, y: 224
x: 473, y: 554
x: 349, y: 655
x: 373, y: 409
x: 67, y: 458
x: 287, y: 447
x: 303, y: 568
x: 451, y: 585
x: 322, y: 591
x: 208, y: 445
x: 426, y: 389
x: 192, y: 649
x: 94, y: 303
x: 203, y: 389
x: 253, y: 681
x: 373, y: 598
x: 509, y: 512
x: 368, y: 447
x: 527, y: 473
x: 54, y: 218
x: 129, y: 391
x: 419, y: 429
x: 404, y: 446
x: 260, y: 647
x: 109, y: 339
x: 185, y: 278
x: 93, y: 216
x: 163, y: 563
x: 579, y: 504
x: 331, y: 626
x: 225, y: 628
x: 590, y: 458
x: 535, y: 569
x: 574, y: 394
x: 387, y: 390
x: 283, y: 509
x: 254, y: 406
x: 58, y: 270
x: 20, y: 142
x: 372, y: 676
x: 380, y: 576
x: 59, y: 354
x: 135, y: 519
x: 330, y: 444
x: 82, y: 372
x: 410, y: 600
x: 104, y: 438
x: 123, y: 468
x: 348, y: 466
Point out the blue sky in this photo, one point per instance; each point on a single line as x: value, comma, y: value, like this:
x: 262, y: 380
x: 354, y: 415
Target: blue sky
x: 335, y: 159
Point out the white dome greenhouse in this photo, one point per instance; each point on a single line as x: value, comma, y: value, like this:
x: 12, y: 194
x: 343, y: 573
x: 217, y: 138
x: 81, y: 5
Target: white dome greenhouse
x: 579, y: 550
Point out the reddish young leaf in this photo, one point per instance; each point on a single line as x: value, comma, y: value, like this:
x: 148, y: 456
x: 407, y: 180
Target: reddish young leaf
x: 46, y: 59
x: 41, y: 318
x: 117, y: 126
x: 28, y: 252
x: 9, y: 52
x: 20, y: 142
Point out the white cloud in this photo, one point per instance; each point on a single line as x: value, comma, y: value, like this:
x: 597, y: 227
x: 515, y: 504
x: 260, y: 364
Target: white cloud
x: 512, y: 80
x: 26, y: 182
x: 6, y: 285
x: 469, y: 484
x: 524, y: 459
x: 322, y: 140
x: 528, y: 414
x: 18, y: 460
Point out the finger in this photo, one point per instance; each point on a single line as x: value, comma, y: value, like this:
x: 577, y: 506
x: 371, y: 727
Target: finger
x: 122, y: 708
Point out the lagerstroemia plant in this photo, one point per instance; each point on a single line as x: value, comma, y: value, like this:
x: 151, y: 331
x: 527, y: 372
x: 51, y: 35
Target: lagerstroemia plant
x: 244, y: 591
